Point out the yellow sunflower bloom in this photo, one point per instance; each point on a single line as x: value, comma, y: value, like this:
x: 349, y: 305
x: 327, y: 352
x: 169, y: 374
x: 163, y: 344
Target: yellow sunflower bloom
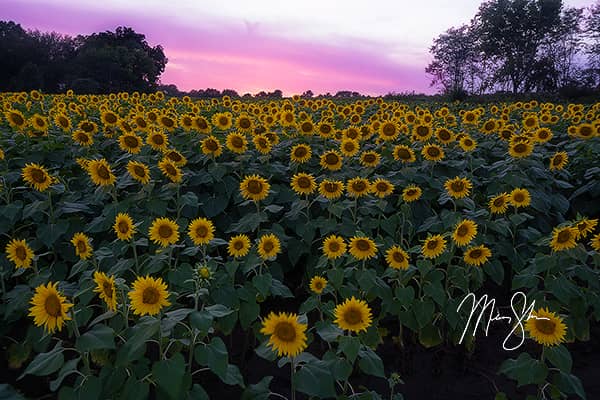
x: 19, y: 252
x: 318, y: 284
x: 139, y: 171
x: 211, y: 146
x: 164, y: 232
x: 100, y: 172
x: 334, y: 247
x: 464, y: 232
x: 457, y: 187
x: 49, y: 308
x: 300, y: 153
x: 331, y: 190
x: 37, y: 176
x: 546, y: 328
x: 124, y: 227
x: 201, y: 231
x: 433, y: 246
x: 477, y: 255
x: 433, y: 152
x: 148, y: 296
x: 353, y: 315
x: 331, y: 160
x: 254, y: 187
x: 268, y: 246
x: 303, y: 183
x: 362, y: 248
x: 82, y: 245
x: 397, y: 258
x: 105, y: 287
x: 559, y: 160
x: 382, y: 188
x: 286, y: 335
x: 520, y: 198
x: 563, y: 238
x: 404, y: 153
x: 499, y: 203
x: 170, y: 170
x: 237, y: 143
x: 238, y: 246
x: 411, y: 193
x: 358, y: 187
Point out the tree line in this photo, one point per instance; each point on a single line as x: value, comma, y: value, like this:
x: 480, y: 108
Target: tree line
x: 98, y: 63
x: 520, y: 46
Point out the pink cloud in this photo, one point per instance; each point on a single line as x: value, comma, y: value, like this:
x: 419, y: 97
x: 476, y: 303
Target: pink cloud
x: 238, y: 56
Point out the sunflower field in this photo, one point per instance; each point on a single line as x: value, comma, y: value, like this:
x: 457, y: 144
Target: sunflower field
x: 177, y: 248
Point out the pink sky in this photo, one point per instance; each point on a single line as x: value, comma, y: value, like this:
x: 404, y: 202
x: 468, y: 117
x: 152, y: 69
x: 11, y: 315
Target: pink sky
x: 247, y: 48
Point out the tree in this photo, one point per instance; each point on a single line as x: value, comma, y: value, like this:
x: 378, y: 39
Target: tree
x: 510, y: 33
x: 119, y: 61
x: 592, y: 49
x: 454, y: 54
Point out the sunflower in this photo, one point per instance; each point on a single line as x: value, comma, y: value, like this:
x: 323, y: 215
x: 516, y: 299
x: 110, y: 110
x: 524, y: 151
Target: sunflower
x: 318, y: 284
x: 254, y: 187
x: 139, y: 171
x: 82, y: 245
x: 444, y: 136
x: 397, y: 258
x: 331, y: 160
x: 520, y: 149
x: 158, y: 140
x: 382, y: 188
x: 100, y: 172
x: 585, y: 226
x: 15, y: 119
x: 331, y: 190
x: 349, y: 147
x: 306, y: 127
x: 564, y: 238
x: 432, y: 152
x: 49, y: 307
x: 37, y: 176
x: 82, y: 138
x: 477, y: 255
x: 545, y: 327
x: 105, y: 286
x: 458, y: 187
x: 262, y: 144
x: 201, y: 231
x: 300, y: 153
x: 467, y: 143
x: 334, y: 247
x: 238, y: 246
x: 433, y: 246
x: 211, y: 146
x: 167, y: 122
x: 353, y: 315
x: 130, y: 142
x: 303, y: 183
x: 520, y: 197
x: 148, y: 296
x: 164, y: 232
x: 175, y: 157
x: 19, y: 253
x: 404, y: 153
x: 585, y: 131
x: 237, y: 143
x: 389, y: 131
x: 268, y: 246
x: 422, y: 132
x: 464, y: 232
x: 286, y: 335
x: 109, y: 118
x: 559, y: 160
x: 170, y: 170
x: 123, y: 226
x: 140, y: 122
x: 362, y: 248
x: 370, y: 159
x: 358, y: 187
x: 499, y: 203
x: 202, y: 125
x: 325, y: 129
x: 542, y: 135
x: 63, y: 122
x: 222, y: 121
x: 595, y: 242
x: 411, y: 193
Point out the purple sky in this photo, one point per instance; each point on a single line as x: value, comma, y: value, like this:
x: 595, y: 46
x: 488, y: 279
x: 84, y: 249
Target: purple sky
x: 373, y: 47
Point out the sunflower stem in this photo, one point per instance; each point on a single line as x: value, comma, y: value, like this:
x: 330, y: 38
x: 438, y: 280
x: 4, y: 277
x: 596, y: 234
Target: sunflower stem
x: 135, y: 257
x: 50, y: 206
x: 292, y: 371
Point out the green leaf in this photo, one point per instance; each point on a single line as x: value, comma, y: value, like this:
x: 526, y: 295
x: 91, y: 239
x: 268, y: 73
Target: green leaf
x: 560, y: 357
x: 570, y: 384
x: 350, y: 345
x: 50, y: 233
x: 525, y: 370
x: 370, y: 363
x: 214, y: 356
x: 423, y: 311
x: 99, y: 337
x: 249, y: 311
x: 134, y: 389
x: 67, y: 369
x: 430, y: 336
x: 279, y: 289
x: 258, y: 391
x: 198, y: 393
x: 142, y: 331
x: 315, y: 379
x: 201, y: 320
x: 248, y: 223
x: 262, y: 283
x: 405, y: 294
x: 218, y: 310
x: 169, y: 375
x: 328, y: 331
x: 233, y: 376
x: 46, y: 363
x: 7, y: 392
